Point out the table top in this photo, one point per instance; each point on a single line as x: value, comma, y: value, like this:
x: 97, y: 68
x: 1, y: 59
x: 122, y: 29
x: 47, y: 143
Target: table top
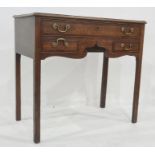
x: 79, y: 17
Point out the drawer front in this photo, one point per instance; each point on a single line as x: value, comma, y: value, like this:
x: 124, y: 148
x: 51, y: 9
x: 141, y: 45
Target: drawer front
x: 125, y: 46
x: 70, y: 28
x: 59, y: 44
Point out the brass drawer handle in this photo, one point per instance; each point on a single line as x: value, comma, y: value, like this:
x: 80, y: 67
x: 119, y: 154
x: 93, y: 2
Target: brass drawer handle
x: 56, y: 43
x: 57, y: 27
x: 125, y: 47
x: 127, y: 31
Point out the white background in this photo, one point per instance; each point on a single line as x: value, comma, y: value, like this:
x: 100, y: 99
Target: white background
x: 71, y: 90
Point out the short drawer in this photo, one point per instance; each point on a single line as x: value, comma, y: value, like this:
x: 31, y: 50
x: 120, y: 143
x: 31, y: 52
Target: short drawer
x: 125, y: 47
x: 59, y: 44
x: 59, y: 27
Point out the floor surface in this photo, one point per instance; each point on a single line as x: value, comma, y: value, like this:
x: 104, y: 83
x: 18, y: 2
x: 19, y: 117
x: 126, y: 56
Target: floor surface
x: 80, y: 125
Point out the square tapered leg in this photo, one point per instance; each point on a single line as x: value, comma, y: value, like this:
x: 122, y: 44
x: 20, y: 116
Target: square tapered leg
x: 37, y: 68
x: 104, y: 82
x: 18, y: 86
x: 136, y: 90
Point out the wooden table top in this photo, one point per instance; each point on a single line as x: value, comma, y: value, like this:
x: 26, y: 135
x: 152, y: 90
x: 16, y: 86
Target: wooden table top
x: 79, y: 17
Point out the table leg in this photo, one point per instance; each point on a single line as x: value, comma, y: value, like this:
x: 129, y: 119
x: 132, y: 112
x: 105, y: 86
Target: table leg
x: 37, y: 71
x: 136, y: 90
x: 18, y: 86
x: 104, y: 81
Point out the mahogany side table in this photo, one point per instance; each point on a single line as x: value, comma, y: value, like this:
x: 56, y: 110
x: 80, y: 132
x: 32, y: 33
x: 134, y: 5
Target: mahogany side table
x: 42, y: 35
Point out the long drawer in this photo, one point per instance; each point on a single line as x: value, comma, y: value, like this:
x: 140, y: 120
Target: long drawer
x: 59, y: 27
